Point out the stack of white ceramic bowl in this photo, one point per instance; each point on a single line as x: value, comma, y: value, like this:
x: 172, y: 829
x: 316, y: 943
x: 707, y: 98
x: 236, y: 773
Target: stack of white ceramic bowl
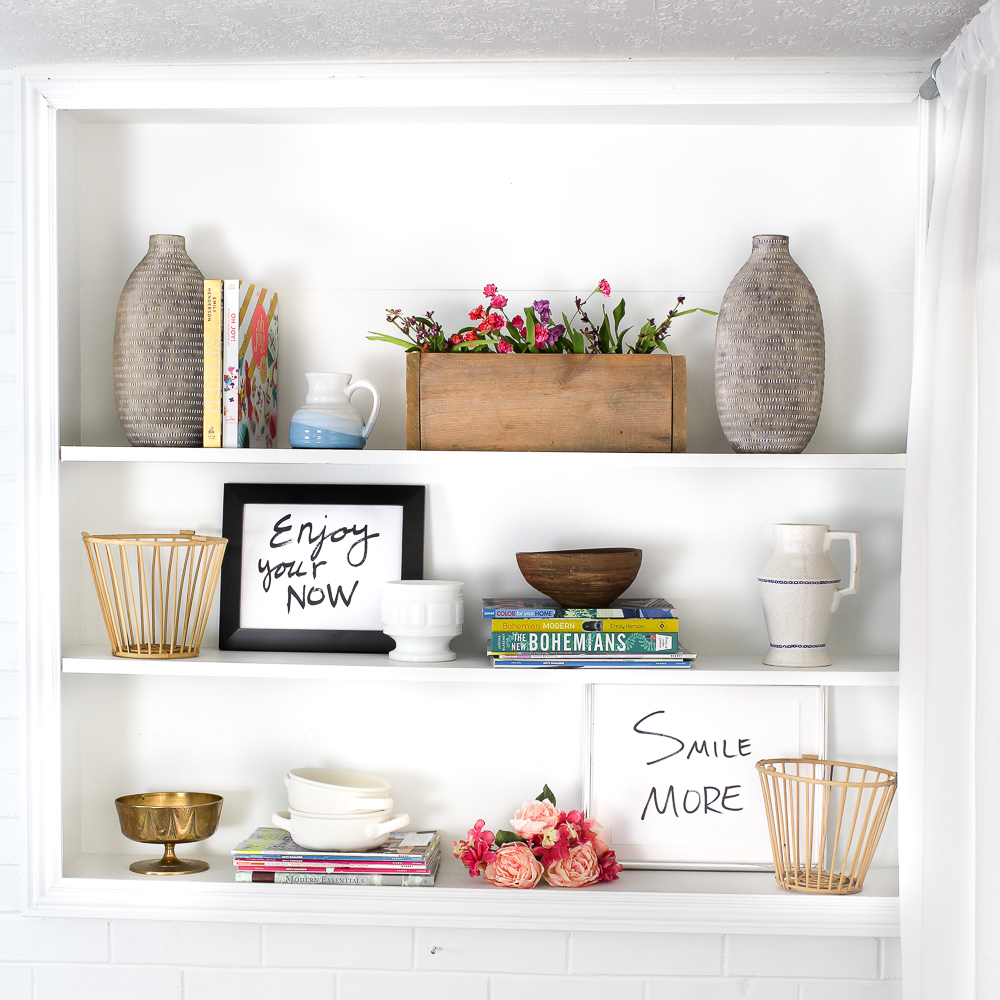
x: 337, y: 810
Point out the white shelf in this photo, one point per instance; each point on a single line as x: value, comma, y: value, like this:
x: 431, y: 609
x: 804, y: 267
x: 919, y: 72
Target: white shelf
x: 719, y: 902
x: 470, y: 460
x: 848, y: 671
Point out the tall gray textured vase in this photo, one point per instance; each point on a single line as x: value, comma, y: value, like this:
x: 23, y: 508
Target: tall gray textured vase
x: 159, y: 348
x: 770, y: 354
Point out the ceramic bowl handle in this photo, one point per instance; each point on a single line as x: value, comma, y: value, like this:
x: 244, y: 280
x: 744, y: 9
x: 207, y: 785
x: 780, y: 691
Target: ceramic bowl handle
x: 854, y: 538
x: 282, y: 821
x: 390, y: 825
x: 360, y: 804
x: 363, y: 383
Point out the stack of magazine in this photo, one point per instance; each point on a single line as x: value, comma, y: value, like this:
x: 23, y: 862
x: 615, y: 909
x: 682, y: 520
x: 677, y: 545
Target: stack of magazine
x: 633, y: 632
x: 406, y: 858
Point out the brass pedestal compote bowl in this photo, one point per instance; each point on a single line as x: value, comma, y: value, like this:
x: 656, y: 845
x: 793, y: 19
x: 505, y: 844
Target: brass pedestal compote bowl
x: 169, y: 818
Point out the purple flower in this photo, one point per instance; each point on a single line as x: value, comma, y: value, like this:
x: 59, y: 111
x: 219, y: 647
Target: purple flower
x: 543, y: 310
x: 555, y: 333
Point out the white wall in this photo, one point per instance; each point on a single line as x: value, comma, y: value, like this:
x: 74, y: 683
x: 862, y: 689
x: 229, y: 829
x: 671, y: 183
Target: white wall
x: 49, y: 958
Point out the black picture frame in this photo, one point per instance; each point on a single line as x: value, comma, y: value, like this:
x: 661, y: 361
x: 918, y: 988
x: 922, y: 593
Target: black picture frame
x: 236, y: 496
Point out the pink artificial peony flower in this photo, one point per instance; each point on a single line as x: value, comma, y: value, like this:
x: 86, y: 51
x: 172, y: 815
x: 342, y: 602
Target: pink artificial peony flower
x: 604, y: 287
x: 541, y: 337
x: 504, y: 348
x: 609, y: 867
x: 471, y: 336
x: 533, y: 818
x: 498, y: 301
x: 478, y: 313
x: 515, y: 868
x: 581, y: 868
x: 518, y: 323
x: 489, y: 291
x: 496, y: 321
x: 599, y: 841
x: 455, y: 338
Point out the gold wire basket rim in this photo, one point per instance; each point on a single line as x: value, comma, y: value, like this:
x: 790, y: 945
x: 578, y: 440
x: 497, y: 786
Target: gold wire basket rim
x: 176, y: 538
x: 766, y: 767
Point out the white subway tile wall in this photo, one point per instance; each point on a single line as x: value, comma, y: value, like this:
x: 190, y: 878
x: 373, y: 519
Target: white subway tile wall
x: 52, y: 959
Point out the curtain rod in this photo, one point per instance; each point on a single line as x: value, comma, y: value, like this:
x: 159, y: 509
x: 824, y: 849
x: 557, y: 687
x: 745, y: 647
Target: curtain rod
x: 929, y: 88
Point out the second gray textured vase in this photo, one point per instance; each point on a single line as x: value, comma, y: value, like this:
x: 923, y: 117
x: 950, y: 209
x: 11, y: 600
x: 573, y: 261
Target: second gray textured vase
x: 770, y: 355
x: 159, y: 349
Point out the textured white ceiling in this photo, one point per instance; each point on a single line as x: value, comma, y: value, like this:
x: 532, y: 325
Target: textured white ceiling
x: 40, y: 31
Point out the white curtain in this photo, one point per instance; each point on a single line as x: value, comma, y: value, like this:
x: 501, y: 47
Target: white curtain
x: 949, y: 760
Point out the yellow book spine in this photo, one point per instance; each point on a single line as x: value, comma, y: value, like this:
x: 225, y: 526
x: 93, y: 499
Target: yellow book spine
x: 211, y: 436
x: 647, y: 625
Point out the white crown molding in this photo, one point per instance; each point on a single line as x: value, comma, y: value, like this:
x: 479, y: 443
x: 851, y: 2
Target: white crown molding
x: 528, y: 83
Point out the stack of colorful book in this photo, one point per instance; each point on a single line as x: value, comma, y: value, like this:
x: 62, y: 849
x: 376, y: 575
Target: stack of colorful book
x: 633, y: 632
x: 241, y: 365
x: 406, y: 858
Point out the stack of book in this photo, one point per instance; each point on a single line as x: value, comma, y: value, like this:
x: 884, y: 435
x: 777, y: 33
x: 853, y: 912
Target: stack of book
x: 406, y: 858
x: 241, y: 365
x: 633, y: 632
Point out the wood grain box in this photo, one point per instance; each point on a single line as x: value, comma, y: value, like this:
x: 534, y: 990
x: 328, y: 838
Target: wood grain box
x: 546, y: 402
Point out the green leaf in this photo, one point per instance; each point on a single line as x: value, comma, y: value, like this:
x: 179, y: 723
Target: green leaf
x: 579, y: 345
x: 619, y: 313
x: 621, y: 338
x: 546, y: 793
x: 507, y: 837
x: 409, y: 345
x: 662, y: 347
x: 529, y: 333
x: 604, y: 336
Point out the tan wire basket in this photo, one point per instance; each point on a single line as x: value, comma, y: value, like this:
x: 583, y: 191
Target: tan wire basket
x: 825, y: 818
x: 155, y: 591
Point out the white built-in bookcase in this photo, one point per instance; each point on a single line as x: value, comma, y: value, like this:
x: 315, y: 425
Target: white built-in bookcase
x: 354, y: 188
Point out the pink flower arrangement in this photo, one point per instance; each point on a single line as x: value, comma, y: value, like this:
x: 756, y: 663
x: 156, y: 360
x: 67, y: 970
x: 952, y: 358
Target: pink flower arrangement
x: 567, y: 849
x: 536, y: 331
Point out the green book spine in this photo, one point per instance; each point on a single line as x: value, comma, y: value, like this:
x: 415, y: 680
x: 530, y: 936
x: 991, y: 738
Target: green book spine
x: 581, y: 643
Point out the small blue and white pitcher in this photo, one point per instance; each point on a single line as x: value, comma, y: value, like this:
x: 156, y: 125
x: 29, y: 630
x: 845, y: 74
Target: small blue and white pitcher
x: 328, y: 420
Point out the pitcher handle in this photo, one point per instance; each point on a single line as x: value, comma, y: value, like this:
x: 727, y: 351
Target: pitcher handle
x: 363, y: 383
x: 854, y: 539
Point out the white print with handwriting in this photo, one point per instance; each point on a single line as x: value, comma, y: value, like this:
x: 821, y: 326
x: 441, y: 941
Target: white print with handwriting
x: 673, y: 767
x: 318, y: 566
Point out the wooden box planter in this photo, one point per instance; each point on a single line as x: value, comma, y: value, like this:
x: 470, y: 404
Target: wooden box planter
x: 546, y: 402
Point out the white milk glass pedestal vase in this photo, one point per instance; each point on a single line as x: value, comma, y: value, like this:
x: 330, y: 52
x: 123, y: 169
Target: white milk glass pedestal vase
x: 423, y: 616
x: 329, y: 420
x: 798, y: 588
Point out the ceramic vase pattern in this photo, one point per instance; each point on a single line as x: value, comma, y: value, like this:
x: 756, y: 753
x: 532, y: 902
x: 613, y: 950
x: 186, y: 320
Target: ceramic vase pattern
x: 159, y: 348
x: 329, y: 420
x: 423, y: 616
x: 799, y: 591
x: 770, y: 354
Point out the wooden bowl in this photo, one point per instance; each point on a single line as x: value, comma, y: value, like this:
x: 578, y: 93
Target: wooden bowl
x: 581, y: 578
x: 169, y: 818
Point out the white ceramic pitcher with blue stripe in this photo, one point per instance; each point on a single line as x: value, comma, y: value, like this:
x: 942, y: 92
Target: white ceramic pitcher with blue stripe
x: 800, y: 589
x: 328, y: 420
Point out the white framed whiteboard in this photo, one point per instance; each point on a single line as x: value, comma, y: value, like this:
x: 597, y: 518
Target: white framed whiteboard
x: 670, y: 770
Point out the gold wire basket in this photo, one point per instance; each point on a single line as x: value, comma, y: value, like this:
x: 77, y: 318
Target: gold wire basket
x: 155, y: 591
x: 825, y: 818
